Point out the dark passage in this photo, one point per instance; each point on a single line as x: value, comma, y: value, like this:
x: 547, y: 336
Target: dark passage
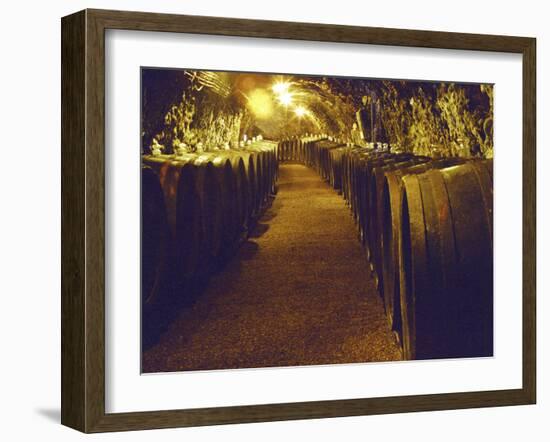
x: 297, y: 293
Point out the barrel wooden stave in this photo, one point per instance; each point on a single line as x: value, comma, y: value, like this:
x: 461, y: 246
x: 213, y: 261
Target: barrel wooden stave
x: 390, y: 233
x: 446, y: 290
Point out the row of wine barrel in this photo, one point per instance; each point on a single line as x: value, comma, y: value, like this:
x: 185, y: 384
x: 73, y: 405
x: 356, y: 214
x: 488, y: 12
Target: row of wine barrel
x: 196, y: 209
x: 299, y: 150
x: 291, y: 150
x: 427, y: 228
x: 315, y: 152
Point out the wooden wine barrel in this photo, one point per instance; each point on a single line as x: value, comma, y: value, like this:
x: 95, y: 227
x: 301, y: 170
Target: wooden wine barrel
x: 267, y: 167
x: 274, y: 172
x: 358, y: 191
x: 337, y: 168
x: 357, y: 166
x: 183, y: 214
x: 285, y: 147
x: 354, y: 159
x: 267, y: 148
x: 252, y: 186
x: 265, y: 163
x: 210, y: 194
x: 446, y: 257
x: 301, y: 157
x: 375, y: 192
x: 324, y: 148
x: 288, y: 153
x: 361, y: 159
x: 307, y: 155
x: 256, y: 183
x: 292, y: 149
x: 261, y: 162
x: 227, y: 185
x: 376, y: 177
x: 154, y: 236
x: 188, y: 240
x: 325, y: 159
x: 362, y: 211
x: 390, y: 212
x: 241, y: 192
x: 270, y: 170
x: 310, y: 149
x: 347, y: 173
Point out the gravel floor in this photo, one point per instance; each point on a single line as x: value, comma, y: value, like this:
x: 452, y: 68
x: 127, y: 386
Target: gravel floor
x: 297, y: 293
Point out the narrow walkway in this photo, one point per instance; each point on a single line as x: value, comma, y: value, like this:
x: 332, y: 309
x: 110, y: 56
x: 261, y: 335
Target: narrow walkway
x: 297, y: 293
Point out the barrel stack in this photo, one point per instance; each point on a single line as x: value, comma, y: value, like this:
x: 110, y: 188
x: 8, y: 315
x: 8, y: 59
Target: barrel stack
x: 426, y: 226
x: 197, y: 208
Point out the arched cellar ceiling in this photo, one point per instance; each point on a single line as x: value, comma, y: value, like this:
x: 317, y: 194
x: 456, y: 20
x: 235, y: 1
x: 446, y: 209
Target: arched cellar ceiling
x: 221, y: 108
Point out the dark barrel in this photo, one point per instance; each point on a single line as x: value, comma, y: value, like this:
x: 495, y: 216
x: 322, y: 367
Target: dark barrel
x: 375, y: 194
x: 227, y: 183
x: 335, y: 167
x: 196, y: 210
x: 178, y: 180
x: 211, y: 203
x: 188, y: 234
x: 154, y: 236
x: 390, y: 222
x: 446, y: 256
x: 241, y: 194
x: 252, y: 186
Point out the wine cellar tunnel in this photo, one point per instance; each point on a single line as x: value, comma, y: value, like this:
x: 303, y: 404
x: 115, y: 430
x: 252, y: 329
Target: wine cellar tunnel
x: 292, y: 220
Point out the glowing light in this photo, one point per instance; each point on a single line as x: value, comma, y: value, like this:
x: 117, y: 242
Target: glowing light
x: 285, y: 98
x: 300, y: 111
x: 281, y: 87
x: 282, y: 92
x: 260, y: 103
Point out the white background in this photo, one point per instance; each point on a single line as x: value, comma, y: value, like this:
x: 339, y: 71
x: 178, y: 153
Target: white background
x: 128, y: 391
x: 30, y: 222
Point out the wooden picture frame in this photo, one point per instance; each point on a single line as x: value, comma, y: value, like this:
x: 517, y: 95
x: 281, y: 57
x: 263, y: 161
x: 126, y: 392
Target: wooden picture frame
x: 83, y: 220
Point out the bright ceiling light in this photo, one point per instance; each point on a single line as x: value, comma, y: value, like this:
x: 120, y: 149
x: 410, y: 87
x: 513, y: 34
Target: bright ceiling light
x: 300, y: 111
x: 285, y: 98
x: 281, y: 87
